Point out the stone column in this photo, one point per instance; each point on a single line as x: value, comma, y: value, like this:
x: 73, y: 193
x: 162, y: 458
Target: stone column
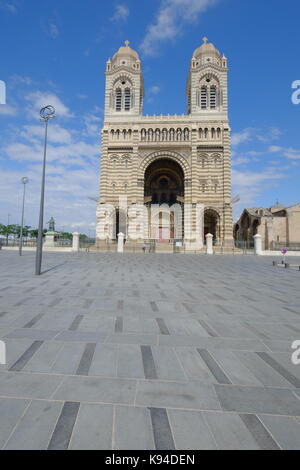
x: 75, y: 246
x: 257, y: 245
x: 121, y: 237
x: 209, y: 244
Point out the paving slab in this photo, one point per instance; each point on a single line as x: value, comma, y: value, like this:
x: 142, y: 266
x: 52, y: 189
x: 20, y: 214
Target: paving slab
x: 193, y: 351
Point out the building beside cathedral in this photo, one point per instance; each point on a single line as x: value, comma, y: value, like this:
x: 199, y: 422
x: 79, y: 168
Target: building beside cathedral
x: 278, y: 226
x: 156, y: 163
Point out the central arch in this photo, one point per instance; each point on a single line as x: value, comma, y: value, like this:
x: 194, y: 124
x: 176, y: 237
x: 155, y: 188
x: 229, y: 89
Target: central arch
x: 164, y: 186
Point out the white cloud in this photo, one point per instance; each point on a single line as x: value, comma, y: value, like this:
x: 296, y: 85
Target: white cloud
x: 8, y: 6
x: 241, y: 137
x: 121, y: 13
x: 52, y: 30
x: 171, y: 17
x: 16, y: 79
x: 289, y: 153
x: 240, y: 161
x: 7, y: 110
x: 154, y: 90
x: 38, y: 100
x: 93, y: 122
x: 56, y: 134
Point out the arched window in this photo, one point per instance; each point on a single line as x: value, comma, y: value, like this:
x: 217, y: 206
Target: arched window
x: 209, y: 87
x: 203, y: 97
x: 127, y: 99
x: 213, y: 97
x: 118, y: 99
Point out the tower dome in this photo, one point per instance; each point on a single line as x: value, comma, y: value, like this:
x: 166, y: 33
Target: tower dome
x: 207, y: 49
x: 125, y: 56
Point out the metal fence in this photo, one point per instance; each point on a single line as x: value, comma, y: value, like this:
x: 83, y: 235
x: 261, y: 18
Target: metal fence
x: 278, y: 246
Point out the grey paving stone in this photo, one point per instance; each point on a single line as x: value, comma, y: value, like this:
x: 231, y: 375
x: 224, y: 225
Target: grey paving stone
x: 26, y: 356
x: 138, y: 435
x: 16, y: 384
x: 233, y: 368
x: 146, y: 340
x: 194, y: 366
x: 98, y: 420
x: 258, y: 400
x: 229, y: 431
x: 214, y: 367
x: 86, y: 359
x: 161, y: 429
x: 96, y: 390
x: 130, y: 363
x: 259, y: 432
x: 104, y: 362
x: 81, y: 336
x: 43, y: 360
x: 265, y: 374
x: 148, y: 363
x: 190, y: 431
x: 68, y: 358
x: 33, y: 334
x: 162, y: 326
x: 286, y: 431
x: 36, y: 426
x: 11, y: 411
x: 63, y: 431
x: 190, y: 395
x: 280, y: 369
x: 76, y: 322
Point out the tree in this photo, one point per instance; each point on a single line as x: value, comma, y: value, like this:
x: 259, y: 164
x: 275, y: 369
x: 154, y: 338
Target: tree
x: 34, y: 233
x: 7, y: 230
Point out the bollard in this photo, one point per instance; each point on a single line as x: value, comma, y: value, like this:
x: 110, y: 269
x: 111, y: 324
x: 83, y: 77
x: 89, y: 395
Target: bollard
x: 258, y: 245
x: 121, y: 237
x: 287, y: 266
x: 274, y: 263
x: 76, y: 242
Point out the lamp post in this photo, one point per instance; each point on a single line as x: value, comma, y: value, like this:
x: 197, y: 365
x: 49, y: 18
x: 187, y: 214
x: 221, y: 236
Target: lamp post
x: 24, y: 181
x: 46, y: 113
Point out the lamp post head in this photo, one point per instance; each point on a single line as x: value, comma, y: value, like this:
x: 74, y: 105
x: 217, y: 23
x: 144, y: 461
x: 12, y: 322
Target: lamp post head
x: 46, y: 113
x: 25, y: 180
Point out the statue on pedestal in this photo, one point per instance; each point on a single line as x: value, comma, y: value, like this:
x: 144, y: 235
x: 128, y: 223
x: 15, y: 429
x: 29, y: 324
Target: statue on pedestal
x: 51, y: 224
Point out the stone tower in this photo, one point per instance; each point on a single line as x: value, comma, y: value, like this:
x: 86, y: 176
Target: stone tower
x: 164, y: 163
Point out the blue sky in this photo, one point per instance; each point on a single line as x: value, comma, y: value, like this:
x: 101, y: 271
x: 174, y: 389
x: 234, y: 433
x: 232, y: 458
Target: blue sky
x: 54, y: 52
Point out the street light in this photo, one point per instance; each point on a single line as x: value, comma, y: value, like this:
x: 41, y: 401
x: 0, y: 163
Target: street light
x: 24, y: 181
x: 46, y: 113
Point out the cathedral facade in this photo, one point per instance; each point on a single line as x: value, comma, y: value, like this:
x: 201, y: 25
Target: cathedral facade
x: 166, y: 178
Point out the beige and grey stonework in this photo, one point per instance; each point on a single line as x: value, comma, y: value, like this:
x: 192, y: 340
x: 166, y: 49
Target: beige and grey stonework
x: 278, y: 226
x: 182, y: 161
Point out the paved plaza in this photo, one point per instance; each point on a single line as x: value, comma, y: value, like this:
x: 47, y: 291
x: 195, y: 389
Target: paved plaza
x: 108, y: 351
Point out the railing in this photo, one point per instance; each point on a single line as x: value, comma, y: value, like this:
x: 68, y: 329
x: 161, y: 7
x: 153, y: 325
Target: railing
x: 278, y: 246
x: 245, y: 245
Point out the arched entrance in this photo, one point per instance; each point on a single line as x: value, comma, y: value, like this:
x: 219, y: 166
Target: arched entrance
x: 212, y: 224
x: 164, y: 186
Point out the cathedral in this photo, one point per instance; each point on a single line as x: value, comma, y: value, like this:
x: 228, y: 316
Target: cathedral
x: 166, y: 178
